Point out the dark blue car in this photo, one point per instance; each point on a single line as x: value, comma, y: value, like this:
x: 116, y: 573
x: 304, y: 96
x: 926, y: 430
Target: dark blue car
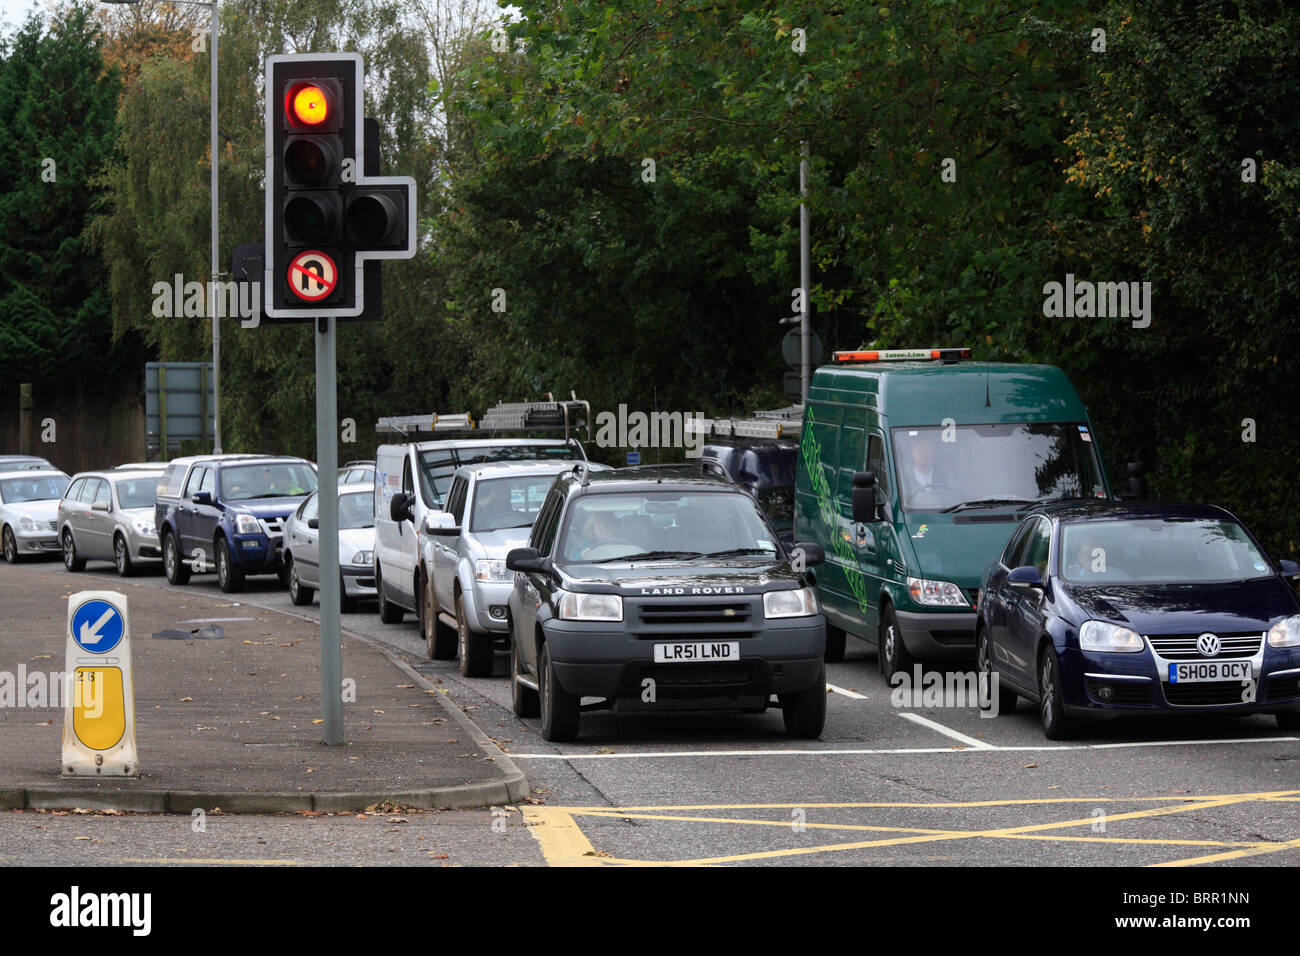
x: 228, y: 512
x: 1111, y: 608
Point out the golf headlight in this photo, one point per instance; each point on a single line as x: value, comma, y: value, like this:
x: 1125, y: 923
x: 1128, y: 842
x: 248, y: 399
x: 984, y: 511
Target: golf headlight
x: 363, y: 557
x: 590, y: 607
x: 27, y: 524
x: 936, y: 593
x: 247, y: 524
x: 143, y: 526
x: 493, y: 570
x: 1111, y: 638
x: 799, y: 602
x: 1285, y: 633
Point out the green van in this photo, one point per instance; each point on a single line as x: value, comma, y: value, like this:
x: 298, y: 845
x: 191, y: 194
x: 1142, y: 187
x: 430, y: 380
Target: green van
x: 914, y: 467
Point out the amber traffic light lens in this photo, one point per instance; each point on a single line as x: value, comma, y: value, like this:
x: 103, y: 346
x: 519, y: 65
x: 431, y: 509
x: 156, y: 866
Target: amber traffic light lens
x: 309, y: 105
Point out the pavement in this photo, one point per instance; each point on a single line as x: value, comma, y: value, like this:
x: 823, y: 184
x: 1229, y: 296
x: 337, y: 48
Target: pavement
x: 234, y: 722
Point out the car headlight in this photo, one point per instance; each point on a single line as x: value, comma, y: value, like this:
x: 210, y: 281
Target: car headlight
x: 143, y: 526
x: 799, y: 602
x: 1285, y: 633
x: 247, y: 524
x: 363, y: 557
x: 486, y: 569
x: 590, y: 607
x: 1112, y: 638
x: 27, y: 524
x: 936, y: 593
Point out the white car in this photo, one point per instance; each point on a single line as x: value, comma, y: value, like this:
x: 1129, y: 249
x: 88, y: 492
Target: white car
x: 356, y: 546
x: 29, y: 512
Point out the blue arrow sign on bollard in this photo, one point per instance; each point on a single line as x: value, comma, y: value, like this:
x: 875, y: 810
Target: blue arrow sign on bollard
x: 97, y: 627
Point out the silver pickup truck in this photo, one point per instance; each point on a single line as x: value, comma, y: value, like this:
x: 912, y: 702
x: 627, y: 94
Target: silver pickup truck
x: 490, y: 509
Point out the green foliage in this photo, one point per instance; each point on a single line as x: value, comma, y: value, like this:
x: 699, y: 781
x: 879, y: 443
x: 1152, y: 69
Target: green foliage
x: 57, y: 105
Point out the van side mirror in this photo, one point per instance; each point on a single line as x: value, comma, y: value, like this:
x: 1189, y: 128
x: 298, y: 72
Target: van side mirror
x: 864, y: 497
x: 1137, y: 480
x: 399, y: 508
x: 527, y: 559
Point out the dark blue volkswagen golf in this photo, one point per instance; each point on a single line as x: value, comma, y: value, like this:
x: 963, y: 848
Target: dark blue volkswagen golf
x: 1110, y: 608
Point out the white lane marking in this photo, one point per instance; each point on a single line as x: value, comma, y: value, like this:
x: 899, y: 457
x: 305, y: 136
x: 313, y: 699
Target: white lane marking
x: 948, y: 732
x: 215, y: 620
x: 903, y: 750
x: 847, y: 693
x: 1184, y: 743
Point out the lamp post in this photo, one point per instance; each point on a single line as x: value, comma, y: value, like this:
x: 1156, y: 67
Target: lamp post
x: 216, y: 275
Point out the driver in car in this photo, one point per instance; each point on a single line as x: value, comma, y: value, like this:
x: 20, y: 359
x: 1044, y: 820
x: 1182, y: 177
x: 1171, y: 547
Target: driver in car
x: 493, y: 504
x: 1088, y: 560
x: 597, y: 529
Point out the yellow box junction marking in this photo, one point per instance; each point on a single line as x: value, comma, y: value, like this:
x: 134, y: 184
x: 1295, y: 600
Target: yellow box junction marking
x: 564, y: 844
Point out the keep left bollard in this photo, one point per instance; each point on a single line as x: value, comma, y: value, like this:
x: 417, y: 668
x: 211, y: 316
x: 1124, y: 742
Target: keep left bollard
x: 99, y: 698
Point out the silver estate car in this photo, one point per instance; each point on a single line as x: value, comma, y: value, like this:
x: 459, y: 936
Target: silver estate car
x: 108, y: 516
x: 490, y: 509
x: 356, y: 546
x: 29, y: 507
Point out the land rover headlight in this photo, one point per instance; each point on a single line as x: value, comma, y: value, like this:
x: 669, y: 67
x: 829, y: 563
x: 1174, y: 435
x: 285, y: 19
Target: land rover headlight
x: 936, y: 593
x: 1111, y: 638
x: 798, y: 602
x: 590, y: 607
x: 1285, y: 633
x: 486, y: 569
x: 247, y: 524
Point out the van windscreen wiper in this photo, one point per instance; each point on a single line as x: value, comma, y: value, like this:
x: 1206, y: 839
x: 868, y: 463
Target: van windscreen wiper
x: 988, y: 503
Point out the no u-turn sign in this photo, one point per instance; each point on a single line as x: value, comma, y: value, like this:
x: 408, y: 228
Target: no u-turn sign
x: 312, y: 275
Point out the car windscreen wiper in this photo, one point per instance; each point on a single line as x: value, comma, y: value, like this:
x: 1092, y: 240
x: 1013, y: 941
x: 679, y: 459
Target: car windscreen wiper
x: 987, y: 503
x: 733, y: 552
x: 650, y: 556
x: 269, y: 494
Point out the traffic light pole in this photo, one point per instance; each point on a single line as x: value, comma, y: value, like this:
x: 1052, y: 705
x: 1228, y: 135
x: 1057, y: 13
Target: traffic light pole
x: 327, y: 495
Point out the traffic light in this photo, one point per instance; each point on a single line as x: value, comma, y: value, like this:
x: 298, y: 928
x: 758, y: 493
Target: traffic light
x: 324, y: 217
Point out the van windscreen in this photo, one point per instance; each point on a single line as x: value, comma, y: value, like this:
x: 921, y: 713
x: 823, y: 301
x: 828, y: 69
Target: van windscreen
x: 437, y: 465
x: 955, y: 467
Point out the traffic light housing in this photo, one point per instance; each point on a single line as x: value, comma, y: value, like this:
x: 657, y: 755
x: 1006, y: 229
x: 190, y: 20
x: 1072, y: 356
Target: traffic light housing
x: 325, y: 218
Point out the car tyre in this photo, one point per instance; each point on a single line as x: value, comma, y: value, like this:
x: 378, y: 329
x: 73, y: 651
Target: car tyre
x: 1051, y: 708
x: 523, y: 700
x: 347, y: 603
x: 299, y: 593
x: 475, y: 650
x: 389, y: 612
x: 559, y: 709
x: 177, y: 571
x: 10, y: 545
x: 892, y: 653
x: 984, y: 657
x: 439, y: 639
x: 70, y: 559
x: 835, y: 641
x: 122, y: 557
x: 805, y: 711
x: 230, y: 576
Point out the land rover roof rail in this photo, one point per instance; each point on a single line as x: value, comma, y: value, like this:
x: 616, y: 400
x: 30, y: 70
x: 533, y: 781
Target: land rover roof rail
x: 900, y: 355
x: 778, y: 423
x: 582, y: 471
